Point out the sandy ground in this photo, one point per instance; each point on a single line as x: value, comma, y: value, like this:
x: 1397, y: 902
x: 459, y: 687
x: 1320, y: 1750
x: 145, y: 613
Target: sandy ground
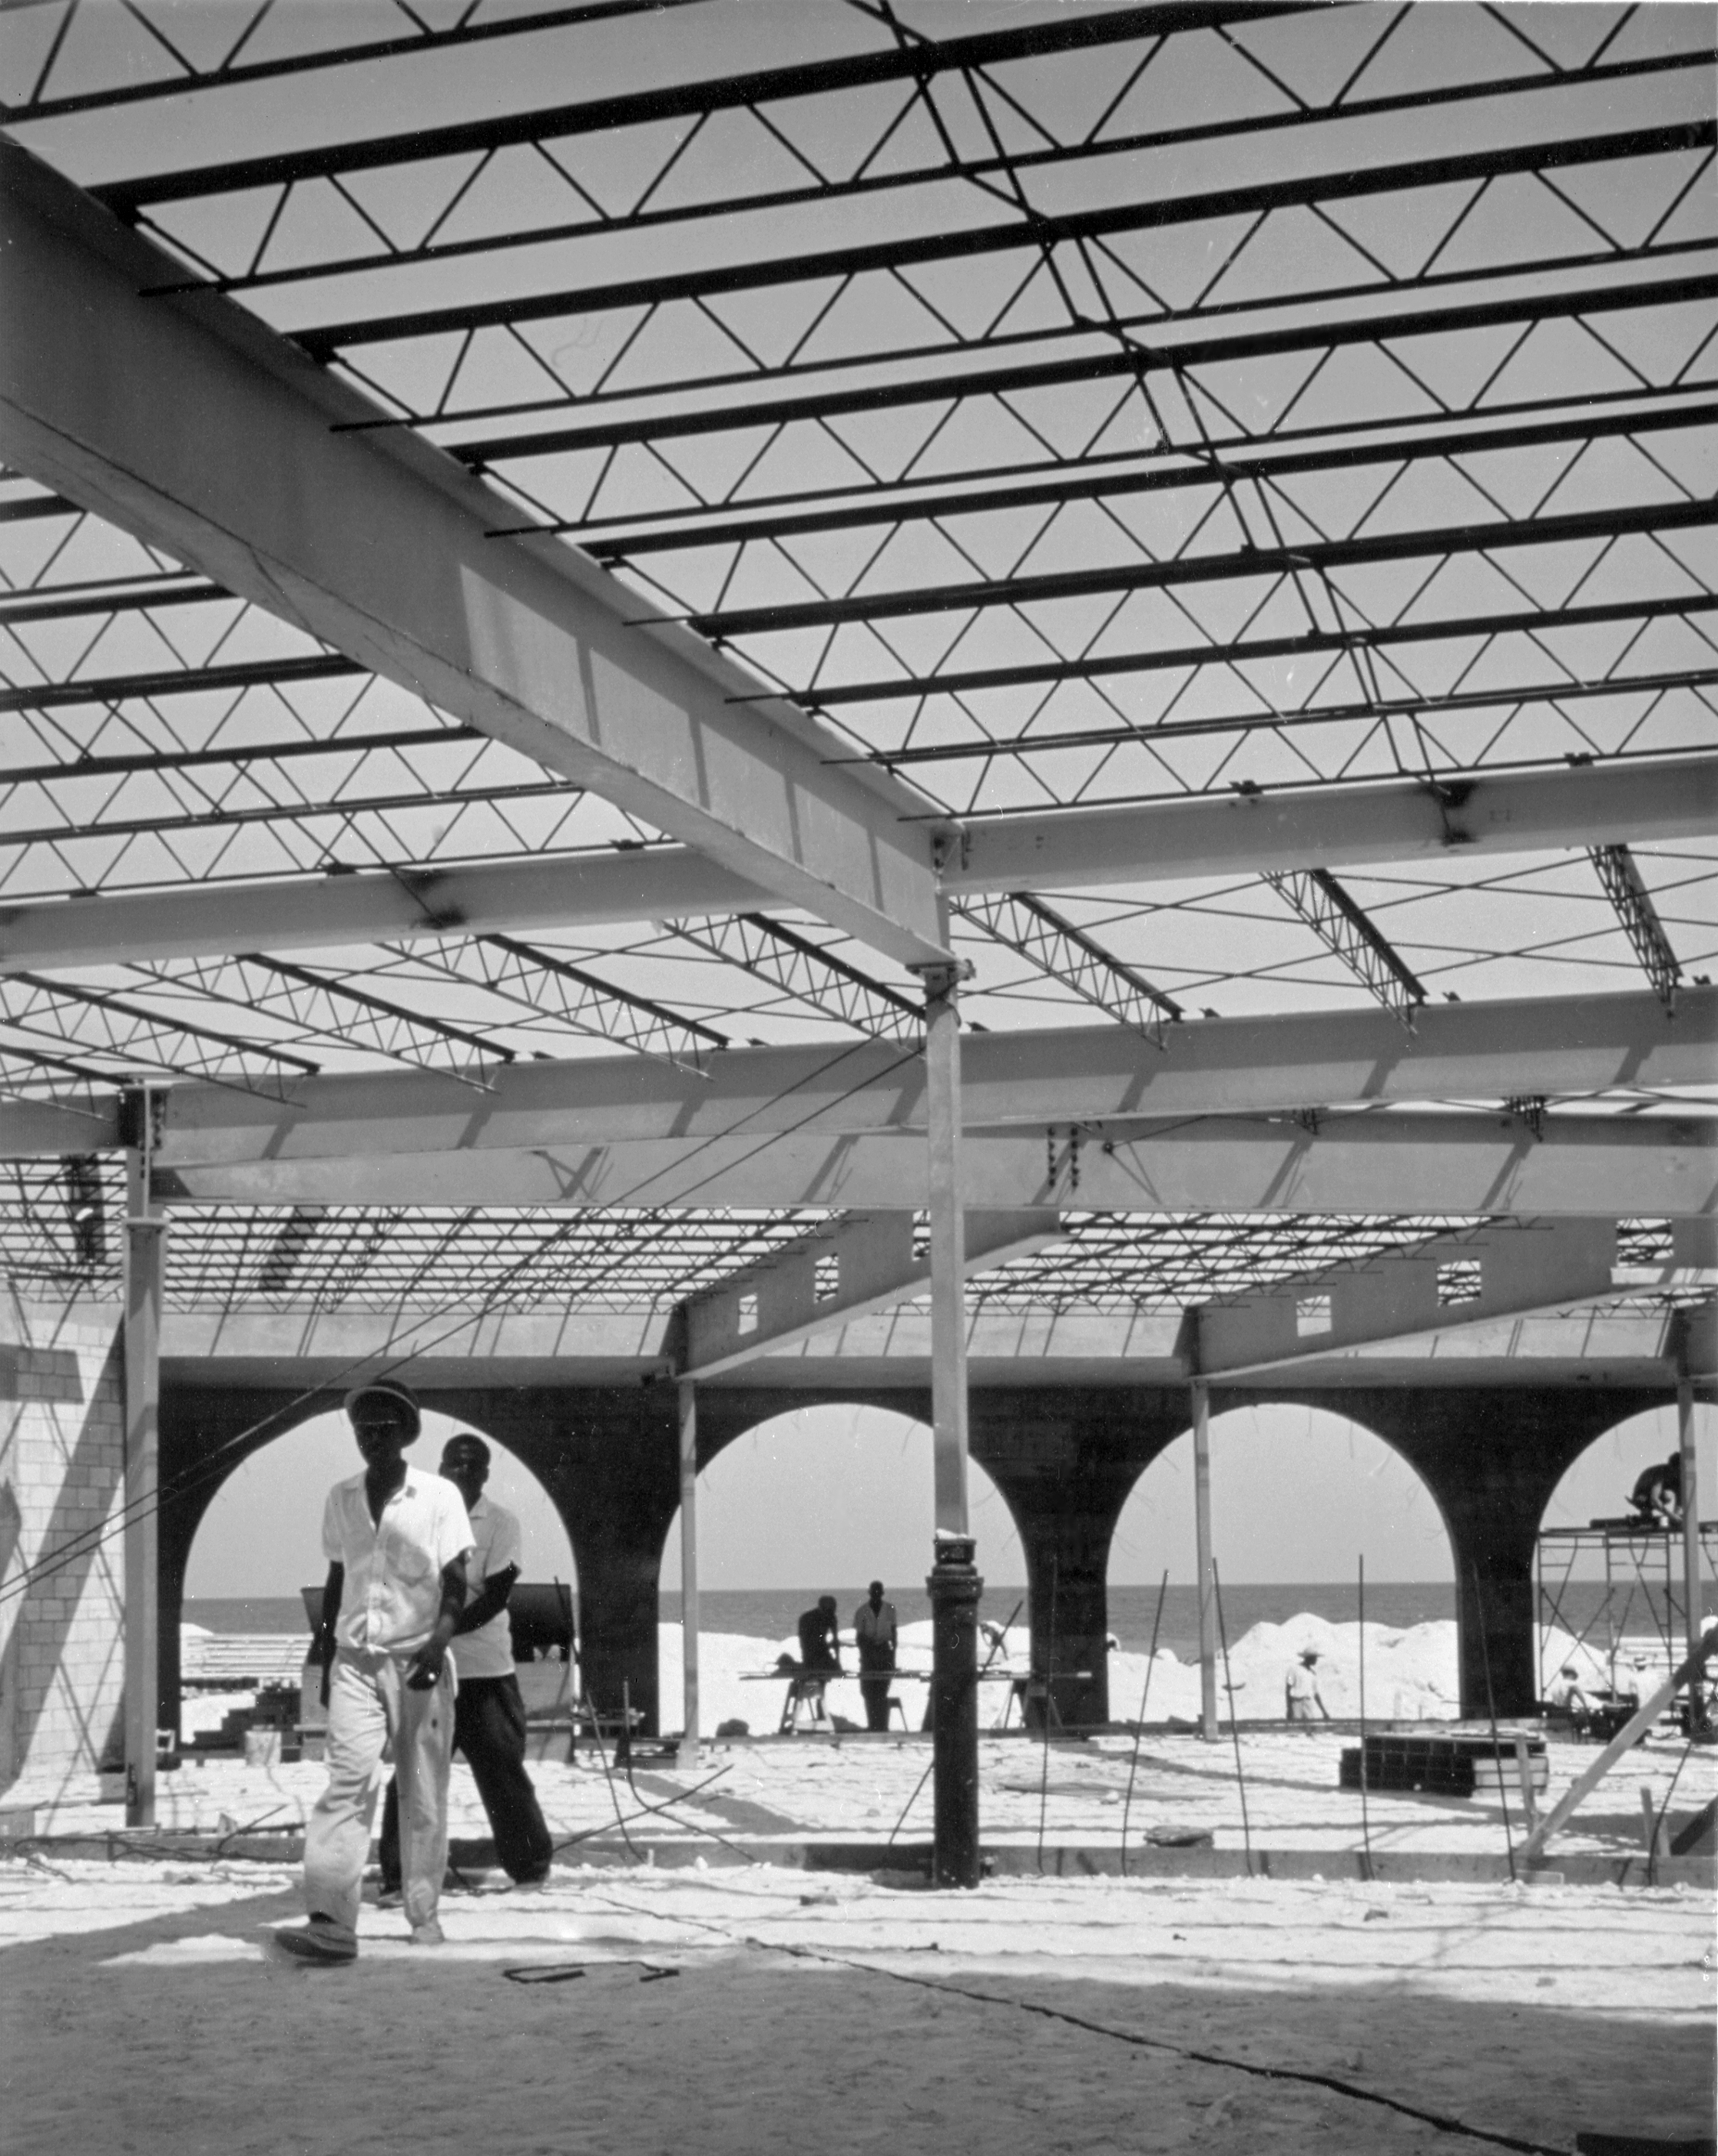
x: 139, y: 2011
x: 865, y: 1787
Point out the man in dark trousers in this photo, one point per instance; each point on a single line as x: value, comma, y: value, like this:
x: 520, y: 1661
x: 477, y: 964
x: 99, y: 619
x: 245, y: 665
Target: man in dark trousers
x: 489, y: 1713
x: 875, y: 1631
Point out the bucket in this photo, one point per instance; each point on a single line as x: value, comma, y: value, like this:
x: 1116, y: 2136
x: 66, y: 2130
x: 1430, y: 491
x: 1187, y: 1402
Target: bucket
x: 262, y: 1748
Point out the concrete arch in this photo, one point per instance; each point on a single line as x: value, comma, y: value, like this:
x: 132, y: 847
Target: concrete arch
x: 605, y: 1455
x: 192, y: 1492
x: 1491, y: 1456
x: 1327, y: 1424
x: 830, y: 1491
x: 1647, y: 1580
x: 1597, y: 1482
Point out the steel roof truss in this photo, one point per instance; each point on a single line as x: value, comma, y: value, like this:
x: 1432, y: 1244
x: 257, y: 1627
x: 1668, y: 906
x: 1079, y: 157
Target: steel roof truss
x: 1345, y: 927
x: 1621, y: 876
x: 1048, y: 940
x: 775, y: 953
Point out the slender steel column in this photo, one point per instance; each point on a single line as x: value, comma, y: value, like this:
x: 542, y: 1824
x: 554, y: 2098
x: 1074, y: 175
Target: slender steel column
x: 948, y: 1251
x: 1691, y: 1588
x: 953, y: 1584
x: 144, y: 1239
x: 1202, y: 1531
x: 689, y: 1570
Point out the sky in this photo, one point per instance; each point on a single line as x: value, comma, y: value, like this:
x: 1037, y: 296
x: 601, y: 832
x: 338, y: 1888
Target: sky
x: 836, y: 1496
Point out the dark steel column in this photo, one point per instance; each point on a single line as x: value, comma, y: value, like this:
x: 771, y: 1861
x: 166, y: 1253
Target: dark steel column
x: 955, y: 1583
x: 146, y: 1231
x: 954, y: 1588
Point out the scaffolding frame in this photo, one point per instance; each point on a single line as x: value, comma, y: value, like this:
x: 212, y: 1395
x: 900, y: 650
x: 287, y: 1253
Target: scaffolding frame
x: 1633, y: 1554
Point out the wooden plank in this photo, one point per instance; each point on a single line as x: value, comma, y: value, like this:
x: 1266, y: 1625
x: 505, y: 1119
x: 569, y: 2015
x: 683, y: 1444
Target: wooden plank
x: 1584, y: 1784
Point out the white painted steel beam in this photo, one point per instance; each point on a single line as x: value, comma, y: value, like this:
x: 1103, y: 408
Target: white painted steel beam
x: 43, y: 1130
x: 1446, y: 1285
x: 867, y: 1264
x: 1401, y: 820
x: 189, y: 422
x: 1326, y: 827
x: 658, y: 883
x: 1023, y: 1348
x: 1554, y: 1046
x: 1465, y: 1164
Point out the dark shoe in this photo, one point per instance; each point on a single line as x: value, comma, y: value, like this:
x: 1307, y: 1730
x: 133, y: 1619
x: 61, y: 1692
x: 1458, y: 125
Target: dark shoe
x: 318, y: 1943
x: 531, y: 1881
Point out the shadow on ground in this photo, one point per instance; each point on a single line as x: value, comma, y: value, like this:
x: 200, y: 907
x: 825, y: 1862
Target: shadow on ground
x: 206, y: 2044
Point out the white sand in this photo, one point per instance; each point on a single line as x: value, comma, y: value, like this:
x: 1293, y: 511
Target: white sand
x: 834, y: 2013
x: 1410, y: 1676
x: 140, y: 2012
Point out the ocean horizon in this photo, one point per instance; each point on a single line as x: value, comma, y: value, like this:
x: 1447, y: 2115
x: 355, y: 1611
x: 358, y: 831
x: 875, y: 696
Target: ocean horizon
x: 771, y: 1613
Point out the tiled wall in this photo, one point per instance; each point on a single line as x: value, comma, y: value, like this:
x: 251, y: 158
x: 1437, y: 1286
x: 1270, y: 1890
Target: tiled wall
x: 62, y: 1474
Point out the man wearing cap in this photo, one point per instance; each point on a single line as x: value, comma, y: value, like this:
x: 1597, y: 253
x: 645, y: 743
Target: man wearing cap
x: 396, y: 1540
x: 875, y: 1632
x: 1303, y: 1688
x: 488, y: 1715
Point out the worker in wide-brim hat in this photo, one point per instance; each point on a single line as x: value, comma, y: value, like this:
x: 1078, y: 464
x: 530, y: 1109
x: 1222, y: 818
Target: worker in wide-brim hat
x: 1302, y: 1690
x: 396, y: 1539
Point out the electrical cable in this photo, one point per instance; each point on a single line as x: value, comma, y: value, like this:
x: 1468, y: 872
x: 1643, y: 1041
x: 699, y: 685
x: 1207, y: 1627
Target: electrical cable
x: 1502, y: 1787
x: 383, y: 1359
x: 1303, y: 2075
x: 1366, y: 1815
x: 1663, y: 1808
x: 1216, y: 1586
x: 685, y: 1797
x: 1139, y: 1724
x: 995, y: 1648
x: 1049, y: 1706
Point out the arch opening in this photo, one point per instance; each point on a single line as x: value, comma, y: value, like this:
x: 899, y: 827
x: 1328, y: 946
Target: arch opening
x: 820, y: 1500
x: 1611, y: 1603
x: 1299, y: 1496
x: 259, y: 1541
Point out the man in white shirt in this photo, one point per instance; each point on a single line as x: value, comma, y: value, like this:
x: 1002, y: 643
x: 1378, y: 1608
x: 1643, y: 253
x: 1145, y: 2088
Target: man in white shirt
x: 1303, y: 1688
x: 396, y: 1540
x: 489, y: 1714
x: 876, y: 1631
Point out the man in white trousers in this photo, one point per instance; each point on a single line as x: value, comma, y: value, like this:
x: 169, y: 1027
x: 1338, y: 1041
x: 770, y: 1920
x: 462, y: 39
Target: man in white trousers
x: 396, y: 1539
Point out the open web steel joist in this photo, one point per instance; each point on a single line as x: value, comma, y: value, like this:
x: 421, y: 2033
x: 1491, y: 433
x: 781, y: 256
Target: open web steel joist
x: 516, y: 574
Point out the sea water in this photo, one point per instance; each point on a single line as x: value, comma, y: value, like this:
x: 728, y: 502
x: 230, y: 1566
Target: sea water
x: 772, y: 1613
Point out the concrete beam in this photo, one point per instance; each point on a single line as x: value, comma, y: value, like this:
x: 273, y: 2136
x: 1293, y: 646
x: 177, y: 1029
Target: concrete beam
x: 189, y: 422
x: 776, y: 1304
x: 1558, y: 1046
x: 1465, y: 1164
x: 1512, y: 812
x: 1222, y: 836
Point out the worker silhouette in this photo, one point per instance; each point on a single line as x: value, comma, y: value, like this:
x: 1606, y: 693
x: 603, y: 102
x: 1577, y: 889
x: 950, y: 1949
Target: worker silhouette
x: 820, y: 1638
x: 1657, y: 1495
